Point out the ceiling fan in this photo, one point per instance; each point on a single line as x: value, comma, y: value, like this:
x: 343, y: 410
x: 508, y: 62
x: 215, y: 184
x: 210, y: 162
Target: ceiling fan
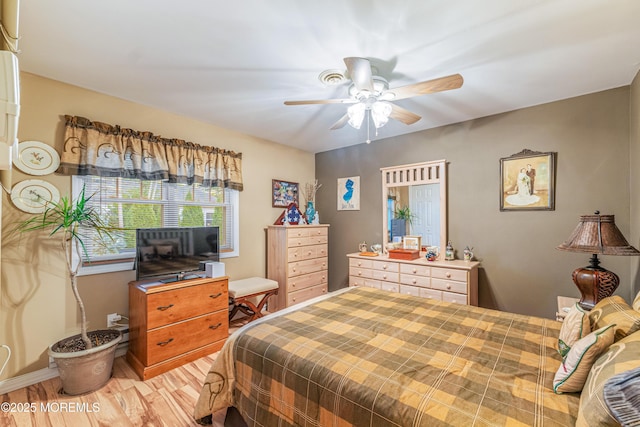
x: 370, y: 96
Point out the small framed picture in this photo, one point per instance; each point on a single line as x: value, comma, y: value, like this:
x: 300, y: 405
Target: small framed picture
x: 284, y: 193
x: 527, y: 181
x: 349, y: 194
x: 412, y: 242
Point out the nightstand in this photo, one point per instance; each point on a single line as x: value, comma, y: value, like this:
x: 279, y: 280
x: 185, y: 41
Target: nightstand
x: 564, y: 304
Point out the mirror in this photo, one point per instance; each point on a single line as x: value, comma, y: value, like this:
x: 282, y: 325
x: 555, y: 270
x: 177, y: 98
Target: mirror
x: 415, y: 203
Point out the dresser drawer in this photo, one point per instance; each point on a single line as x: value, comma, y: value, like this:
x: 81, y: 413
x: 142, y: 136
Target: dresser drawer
x: 180, y: 304
x: 391, y: 287
x: 360, y: 272
x: 307, y: 280
x: 306, y: 252
x: 169, y: 341
x: 418, y: 270
x: 306, y: 294
x: 449, y: 285
x: 297, y: 232
x: 306, y: 267
x: 410, y: 290
x: 409, y: 279
x: 363, y: 263
x: 370, y: 283
x: 293, y: 242
x: 451, y: 297
x: 356, y: 281
x: 318, y: 231
x: 431, y: 293
x: 449, y: 274
x: 385, y: 266
x: 388, y: 276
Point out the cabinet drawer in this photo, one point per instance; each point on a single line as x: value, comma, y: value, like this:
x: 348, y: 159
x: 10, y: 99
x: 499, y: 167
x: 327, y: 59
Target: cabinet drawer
x: 385, y: 266
x: 449, y: 274
x: 306, y: 252
x: 451, y: 297
x: 360, y: 272
x: 388, y: 276
x: 410, y: 290
x: 300, y: 282
x: 370, y: 283
x: 357, y: 262
x: 449, y: 285
x: 431, y: 293
x: 318, y: 231
x: 180, y: 304
x: 169, y: 341
x: 306, y: 267
x: 409, y: 279
x: 418, y: 270
x: 356, y: 281
x: 305, y: 294
x: 297, y: 232
x: 293, y: 242
x: 391, y: 287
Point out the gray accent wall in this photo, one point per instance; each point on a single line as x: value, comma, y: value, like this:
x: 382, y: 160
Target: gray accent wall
x: 521, y: 271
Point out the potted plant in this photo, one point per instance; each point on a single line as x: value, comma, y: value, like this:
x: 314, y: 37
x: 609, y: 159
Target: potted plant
x: 401, y: 221
x: 84, y: 361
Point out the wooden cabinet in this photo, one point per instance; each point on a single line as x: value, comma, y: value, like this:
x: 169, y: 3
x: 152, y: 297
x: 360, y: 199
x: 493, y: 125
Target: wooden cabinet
x: 171, y: 324
x: 453, y: 281
x: 297, y: 259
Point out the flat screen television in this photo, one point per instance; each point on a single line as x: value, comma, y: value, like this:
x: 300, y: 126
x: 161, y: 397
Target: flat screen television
x: 175, y: 253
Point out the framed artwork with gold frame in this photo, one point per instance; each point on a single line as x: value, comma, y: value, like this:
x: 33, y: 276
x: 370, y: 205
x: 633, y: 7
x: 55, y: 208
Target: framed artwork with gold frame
x: 527, y: 181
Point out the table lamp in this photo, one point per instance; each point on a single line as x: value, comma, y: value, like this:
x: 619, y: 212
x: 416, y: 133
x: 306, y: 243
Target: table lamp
x: 596, y: 234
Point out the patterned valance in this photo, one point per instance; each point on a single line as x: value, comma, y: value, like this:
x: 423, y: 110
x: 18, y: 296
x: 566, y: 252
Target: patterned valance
x: 94, y: 148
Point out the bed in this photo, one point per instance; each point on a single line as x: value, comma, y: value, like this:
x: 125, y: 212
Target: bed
x: 367, y: 357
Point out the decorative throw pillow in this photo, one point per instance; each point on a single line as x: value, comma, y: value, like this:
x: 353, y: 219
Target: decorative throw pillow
x: 575, y: 326
x: 575, y: 368
x: 636, y: 303
x: 147, y: 253
x: 177, y: 247
x: 615, y: 310
x: 622, y: 396
x: 165, y: 251
x: 622, y: 356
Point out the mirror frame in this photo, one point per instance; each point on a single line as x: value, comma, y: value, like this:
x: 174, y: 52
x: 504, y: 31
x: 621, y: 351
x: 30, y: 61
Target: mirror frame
x: 434, y: 172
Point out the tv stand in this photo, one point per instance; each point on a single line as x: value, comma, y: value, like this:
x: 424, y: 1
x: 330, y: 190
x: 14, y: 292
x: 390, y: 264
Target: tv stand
x: 174, y: 323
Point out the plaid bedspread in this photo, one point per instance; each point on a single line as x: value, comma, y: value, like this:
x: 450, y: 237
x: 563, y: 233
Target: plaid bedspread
x: 367, y: 357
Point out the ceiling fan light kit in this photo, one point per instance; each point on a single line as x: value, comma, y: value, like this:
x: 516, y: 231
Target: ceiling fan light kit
x: 370, y: 94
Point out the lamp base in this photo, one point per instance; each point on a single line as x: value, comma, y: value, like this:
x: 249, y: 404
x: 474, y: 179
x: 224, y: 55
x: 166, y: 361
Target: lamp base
x: 595, y: 283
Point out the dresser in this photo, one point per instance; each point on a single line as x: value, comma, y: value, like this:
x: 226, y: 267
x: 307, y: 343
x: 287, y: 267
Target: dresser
x: 297, y: 260
x: 171, y: 324
x: 452, y: 281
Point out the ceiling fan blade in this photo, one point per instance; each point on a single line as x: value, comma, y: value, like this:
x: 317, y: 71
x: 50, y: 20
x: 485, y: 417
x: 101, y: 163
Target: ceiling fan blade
x: 441, y: 84
x: 403, y: 115
x: 340, y: 123
x: 360, y: 73
x: 322, y: 101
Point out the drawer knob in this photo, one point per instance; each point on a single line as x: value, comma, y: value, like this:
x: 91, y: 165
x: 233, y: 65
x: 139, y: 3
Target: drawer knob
x: 448, y: 286
x: 415, y: 271
x: 214, y: 327
x: 293, y: 299
x: 216, y: 295
x: 448, y: 275
x: 414, y: 281
x: 384, y: 267
x: 163, y: 343
x: 165, y: 307
x: 384, y: 277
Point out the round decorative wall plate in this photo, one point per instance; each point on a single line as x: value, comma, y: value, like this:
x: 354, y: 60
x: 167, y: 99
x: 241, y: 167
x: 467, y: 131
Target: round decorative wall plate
x: 36, y: 158
x: 33, y: 195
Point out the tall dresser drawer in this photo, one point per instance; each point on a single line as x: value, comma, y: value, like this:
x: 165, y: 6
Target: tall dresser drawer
x: 175, y: 305
x: 300, y: 282
x: 308, y: 266
x: 306, y: 252
x: 306, y: 294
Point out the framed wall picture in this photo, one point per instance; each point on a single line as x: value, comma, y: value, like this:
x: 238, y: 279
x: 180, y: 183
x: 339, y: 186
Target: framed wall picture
x: 349, y: 194
x: 283, y: 193
x: 412, y: 242
x: 527, y: 181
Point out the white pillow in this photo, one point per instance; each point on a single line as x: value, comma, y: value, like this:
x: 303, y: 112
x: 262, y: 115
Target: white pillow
x: 575, y: 326
x: 573, y: 371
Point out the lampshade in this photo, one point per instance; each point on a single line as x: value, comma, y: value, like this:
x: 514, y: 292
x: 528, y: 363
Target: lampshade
x: 598, y: 234
x: 356, y: 114
x: 380, y: 111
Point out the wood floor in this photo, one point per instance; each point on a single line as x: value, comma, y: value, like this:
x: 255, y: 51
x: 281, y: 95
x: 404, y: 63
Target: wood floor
x: 165, y: 400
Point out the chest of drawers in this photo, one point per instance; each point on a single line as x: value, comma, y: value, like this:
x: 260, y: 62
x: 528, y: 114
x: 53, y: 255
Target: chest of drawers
x: 297, y: 258
x: 453, y: 281
x: 174, y: 323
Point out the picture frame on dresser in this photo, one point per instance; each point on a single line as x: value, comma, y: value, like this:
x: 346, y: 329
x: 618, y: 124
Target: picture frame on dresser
x: 527, y: 181
x: 283, y: 193
x: 412, y: 242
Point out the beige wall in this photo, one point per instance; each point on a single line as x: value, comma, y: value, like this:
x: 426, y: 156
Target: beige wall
x: 36, y: 305
x: 521, y: 269
x: 634, y: 180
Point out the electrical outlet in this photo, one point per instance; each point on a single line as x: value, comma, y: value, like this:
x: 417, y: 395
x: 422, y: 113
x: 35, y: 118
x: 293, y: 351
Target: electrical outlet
x: 112, y: 319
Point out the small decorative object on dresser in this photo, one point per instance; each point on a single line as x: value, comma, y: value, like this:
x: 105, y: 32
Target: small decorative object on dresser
x: 449, y: 253
x: 468, y: 253
x: 407, y: 254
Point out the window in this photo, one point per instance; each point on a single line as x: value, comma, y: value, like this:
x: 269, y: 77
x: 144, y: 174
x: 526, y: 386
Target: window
x: 134, y: 203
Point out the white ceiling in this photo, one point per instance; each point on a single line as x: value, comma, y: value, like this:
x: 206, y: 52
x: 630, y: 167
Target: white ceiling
x: 234, y: 63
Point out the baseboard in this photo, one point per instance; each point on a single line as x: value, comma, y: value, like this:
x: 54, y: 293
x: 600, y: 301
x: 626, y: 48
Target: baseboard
x: 35, y: 377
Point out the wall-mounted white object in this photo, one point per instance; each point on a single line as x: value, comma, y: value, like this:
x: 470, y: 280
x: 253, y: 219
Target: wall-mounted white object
x: 36, y: 158
x: 32, y: 195
x: 9, y: 106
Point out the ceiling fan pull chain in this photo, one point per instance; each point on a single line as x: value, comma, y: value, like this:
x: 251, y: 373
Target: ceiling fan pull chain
x: 368, y: 126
